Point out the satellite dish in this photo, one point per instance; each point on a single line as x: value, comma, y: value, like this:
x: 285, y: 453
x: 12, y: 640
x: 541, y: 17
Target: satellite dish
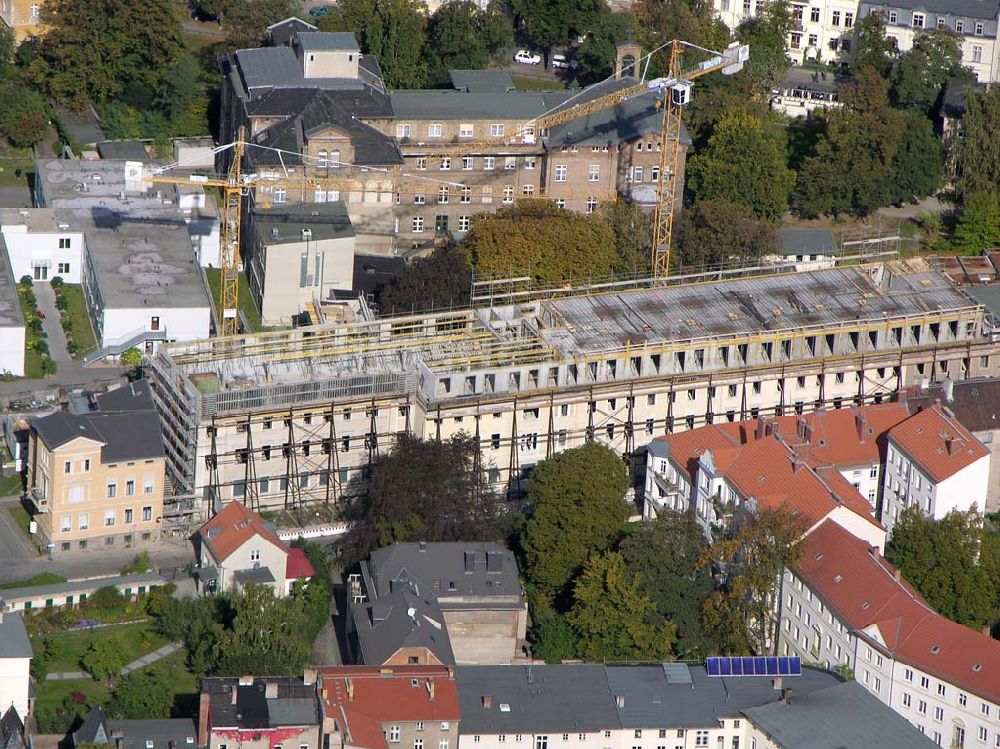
x: 411, y: 612
x: 256, y: 565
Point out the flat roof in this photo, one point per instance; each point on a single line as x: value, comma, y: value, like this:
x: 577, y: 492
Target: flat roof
x: 10, y: 305
x: 57, y: 589
x: 34, y: 219
x: 137, y: 241
x: 284, y: 224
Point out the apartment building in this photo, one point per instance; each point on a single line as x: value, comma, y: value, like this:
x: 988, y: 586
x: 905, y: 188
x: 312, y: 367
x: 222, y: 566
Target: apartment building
x: 368, y: 707
x: 975, y: 25
x: 437, y: 603
x: 934, y: 462
x: 843, y: 604
x: 96, y: 477
x: 260, y: 713
x: 314, y: 406
x: 469, y: 150
x: 23, y: 17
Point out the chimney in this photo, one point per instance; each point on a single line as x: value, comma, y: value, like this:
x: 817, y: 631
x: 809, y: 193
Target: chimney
x: 760, y: 429
x: 954, y: 444
x: 430, y: 690
x: 861, y: 424
x: 309, y: 676
x: 487, y: 702
x: 270, y: 690
x: 204, y: 702
x: 797, y: 464
x: 350, y: 689
x: 620, y: 700
x: 785, y: 696
x: 807, y: 433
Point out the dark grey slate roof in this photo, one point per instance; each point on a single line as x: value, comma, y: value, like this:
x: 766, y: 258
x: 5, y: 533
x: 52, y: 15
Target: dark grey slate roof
x: 650, y: 700
x: 93, y: 729
x: 482, y: 81
x: 449, y: 104
x: 280, y: 67
x: 808, y: 242
x: 126, y: 150
x: 14, y: 642
x: 135, y: 396
x: 11, y: 730
x: 296, y: 703
x: 535, y: 699
x: 283, y: 32
x: 953, y: 100
x: 844, y: 716
x: 339, y: 41
x: 165, y: 733
x: 283, y: 224
x: 259, y: 575
x: 10, y: 305
x: 448, y: 569
x: 372, y: 272
x: 969, y: 8
x: 975, y: 403
x: 987, y: 295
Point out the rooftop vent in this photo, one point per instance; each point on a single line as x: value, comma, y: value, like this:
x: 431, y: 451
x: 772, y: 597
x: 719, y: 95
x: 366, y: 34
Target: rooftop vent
x: 866, y: 605
x: 504, y: 707
x: 307, y: 233
x: 935, y: 649
x: 838, y: 578
x: 977, y: 667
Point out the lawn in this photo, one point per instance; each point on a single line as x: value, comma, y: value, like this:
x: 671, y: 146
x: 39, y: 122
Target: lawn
x: 11, y: 486
x: 81, y: 331
x: 42, y: 578
x: 136, y: 640
x: 530, y: 83
x: 247, y: 305
x: 34, y: 361
x: 8, y: 171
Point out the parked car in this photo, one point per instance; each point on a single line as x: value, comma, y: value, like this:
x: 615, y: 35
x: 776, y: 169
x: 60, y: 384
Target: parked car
x: 560, y: 62
x: 525, y: 57
x: 320, y: 10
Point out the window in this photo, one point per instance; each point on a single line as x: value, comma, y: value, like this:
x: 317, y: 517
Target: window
x: 984, y: 709
x: 466, y: 196
x: 561, y: 171
x: 465, y: 131
x: 443, y: 194
x: 434, y: 131
x: 814, y: 15
x: 893, y: 17
x: 541, y: 742
x: 925, y: 682
x: 66, y: 523
x: 393, y: 733
x: 941, y: 689
x: 497, y: 130
x: 147, y: 513
x: 83, y: 521
x: 835, y: 18
x: 979, y: 28
x: 959, y: 26
x: 942, y: 23
x: 977, y: 53
x: 402, y: 131
x: 906, y: 699
x: 638, y: 733
x: 128, y: 515
x: 958, y: 737
x: 130, y: 488
x: 962, y: 699
x: 488, y: 163
x: 813, y: 40
x: 446, y: 163
x: 560, y: 202
x: 421, y: 163
x: 529, y: 162
x: 938, y: 714
x: 982, y: 733
x: 908, y: 674
x: 35, y: 10
x: 419, y: 199
x: 418, y: 224
x: 321, y: 159
x: 63, y: 268
x: 701, y: 738
x: 528, y: 190
x: 444, y: 724
x: 918, y: 20
x: 593, y: 172
x: 922, y: 707
x: 463, y: 223
x: 848, y: 20
x: 591, y: 204
x: 509, y: 163
x: 109, y: 518
x: 147, y: 484
x: 508, y: 194
x: 112, y: 490
x: 476, y: 738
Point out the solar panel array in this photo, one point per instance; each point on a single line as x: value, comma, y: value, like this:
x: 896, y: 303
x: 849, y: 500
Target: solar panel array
x: 754, y: 666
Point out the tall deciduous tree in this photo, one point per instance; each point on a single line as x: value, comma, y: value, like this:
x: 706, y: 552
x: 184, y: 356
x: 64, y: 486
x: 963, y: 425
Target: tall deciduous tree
x: 920, y: 74
x: 918, y: 164
x: 596, y: 55
x: 424, y: 490
x: 852, y: 168
x: 743, y: 163
x: 551, y: 22
x: 94, y: 50
x: 978, y: 158
x: 664, y: 554
x: 578, y: 507
x: 104, y: 659
x: 873, y: 49
x: 721, y: 232
x: 444, y: 279
x: 264, y: 637
x: 246, y: 21
x: 537, y: 238
x: 616, y: 621
x: 978, y: 225
x: 553, y: 637
x: 141, y: 694
x: 460, y: 36
x: 953, y: 562
x: 766, y: 33
x: 632, y: 229
x: 660, y: 21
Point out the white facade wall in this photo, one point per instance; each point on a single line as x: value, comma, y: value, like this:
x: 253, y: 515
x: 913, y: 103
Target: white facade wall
x: 179, y: 323
x: 979, y: 53
x: 866, y: 479
x: 43, y: 255
x: 727, y: 733
x: 12, y: 350
x: 254, y: 552
x: 14, y: 684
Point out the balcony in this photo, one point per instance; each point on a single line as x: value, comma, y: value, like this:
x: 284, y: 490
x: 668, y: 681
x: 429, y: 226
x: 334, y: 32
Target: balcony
x: 39, y: 500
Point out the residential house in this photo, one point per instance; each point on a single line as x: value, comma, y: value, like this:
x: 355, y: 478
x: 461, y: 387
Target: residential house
x: 368, y: 707
x: 804, y: 91
x: 323, y: 106
x: 96, y: 476
x: 259, y: 713
x: 237, y: 548
x: 15, y: 663
x: 437, y: 603
x: 843, y: 604
x: 23, y: 17
x: 143, y: 733
x: 805, y: 249
x: 12, y: 730
x: 934, y: 462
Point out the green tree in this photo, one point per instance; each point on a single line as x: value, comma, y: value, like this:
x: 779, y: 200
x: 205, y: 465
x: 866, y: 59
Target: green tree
x: 460, y: 36
x: 851, y: 169
x: 93, y: 50
x: 424, y: 490
x: 553, y: 638
x: 721, y: 232
x: 953, y: 562
x: 745, y: 164
x: 615, y: 620
x: 8, y: 46
x: 661, y: 21
x: 442, y: 280
x: 664, y: 554
x: 872, y: 48
x: 578, y: 507
x: 766, y: 33
x: 131, y: 358
x: 104, y: 658
x: 23, y: 121
x: 246, y: 21
x: 977, y: 161
x: 918, y: 164
x: 139, y: 564
x: 537, y: 238
x: 264, y: 637
x: 920, y: 74
x: 393, y: 31
x: 596, y: 55
x: 632, y: 229
x: 978, y: 225
x: 739, y: 615
x: 551, y: 22
x: 141, y: 694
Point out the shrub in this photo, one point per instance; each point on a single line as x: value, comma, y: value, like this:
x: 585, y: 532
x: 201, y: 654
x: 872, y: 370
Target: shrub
x: 26, y: 281
x: 35, y: 324
x: 62, y: 302
x: 41, y: 347
x: 30, y: 299
x: 72, y: 347
x: 66, y: 323
x: 56, y: 283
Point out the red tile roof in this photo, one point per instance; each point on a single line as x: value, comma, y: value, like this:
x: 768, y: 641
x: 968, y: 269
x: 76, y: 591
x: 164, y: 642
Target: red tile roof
x: 233, y: 526
x: 937, y: 442
x: 864, y: 591
x: 362, y: 698
x: 298, y: 565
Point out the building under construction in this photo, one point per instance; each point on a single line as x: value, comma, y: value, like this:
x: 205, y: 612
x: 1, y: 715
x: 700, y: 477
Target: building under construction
x: 287, y: 418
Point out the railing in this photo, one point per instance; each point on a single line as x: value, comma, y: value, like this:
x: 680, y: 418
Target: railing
x: 117, y: 346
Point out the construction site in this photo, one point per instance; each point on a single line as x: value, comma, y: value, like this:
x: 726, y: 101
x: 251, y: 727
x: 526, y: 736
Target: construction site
x: 293, y: 418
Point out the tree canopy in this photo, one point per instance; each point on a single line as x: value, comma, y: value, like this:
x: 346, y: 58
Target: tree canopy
x: 872, y: 48
x: 664, y: 554
x: 424, y: 490
x: 615, y: 620
x: 721, y: 232
x: 263, y: 636
x: 441, y: 280
x: 551, y: 22
x: 766, y: 33
x: 743, y: 163
x: 977, y: 162
x: 246, y: 21
x: 920, y: 74
x: 918, y: 163
x: 141, y: 694
x: 104, y: 659
x: 577, y: 508
x: 460, y: 36
x: 978, y: 225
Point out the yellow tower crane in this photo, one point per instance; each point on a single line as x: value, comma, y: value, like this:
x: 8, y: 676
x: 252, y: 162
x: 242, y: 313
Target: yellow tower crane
x: 675, y: 90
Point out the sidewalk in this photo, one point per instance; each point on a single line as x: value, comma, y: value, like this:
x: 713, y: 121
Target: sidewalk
x: 146, y: 660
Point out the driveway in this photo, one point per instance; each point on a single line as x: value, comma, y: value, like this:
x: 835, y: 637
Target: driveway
x: 14, y: 547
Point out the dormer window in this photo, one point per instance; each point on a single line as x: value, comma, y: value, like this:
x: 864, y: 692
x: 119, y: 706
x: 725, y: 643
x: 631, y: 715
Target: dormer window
x: 312, y: 57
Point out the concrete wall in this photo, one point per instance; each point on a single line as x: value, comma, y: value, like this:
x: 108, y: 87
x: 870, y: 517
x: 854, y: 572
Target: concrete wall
x: 329, y: 265
x: 12, y: 350
x: 287, y: 737
x: 329, y: 63
x: 482, y: 636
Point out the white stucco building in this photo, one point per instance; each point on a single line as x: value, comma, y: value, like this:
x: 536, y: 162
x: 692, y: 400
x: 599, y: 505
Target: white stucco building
x: 934, y: 462
x: 843, y: 604
x: 11, y: 322
x: 15, y: 662
x: 40, y: 246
